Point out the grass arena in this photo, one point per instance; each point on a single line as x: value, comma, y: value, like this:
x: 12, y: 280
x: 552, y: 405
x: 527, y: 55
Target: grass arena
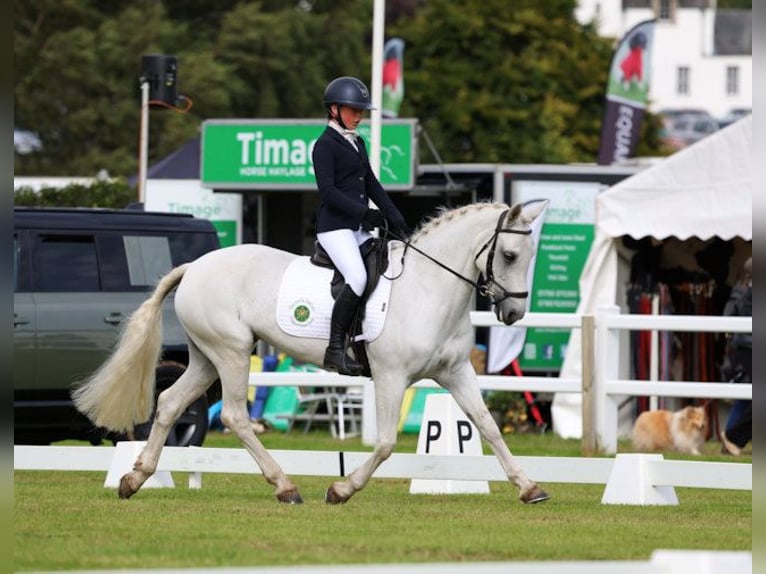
x: 234, y: 521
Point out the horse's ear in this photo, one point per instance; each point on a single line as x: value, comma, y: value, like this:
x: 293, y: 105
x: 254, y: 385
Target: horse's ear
x: 533, y: 209
x: 514, y: 213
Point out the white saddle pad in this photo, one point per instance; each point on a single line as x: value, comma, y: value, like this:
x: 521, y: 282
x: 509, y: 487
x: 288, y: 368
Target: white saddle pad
x: 304, y: 304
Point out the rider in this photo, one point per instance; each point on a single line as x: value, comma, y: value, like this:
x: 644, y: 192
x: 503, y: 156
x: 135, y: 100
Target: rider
x: 344, y: 220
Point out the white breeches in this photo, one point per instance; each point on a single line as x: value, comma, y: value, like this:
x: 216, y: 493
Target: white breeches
x: 342, y: 245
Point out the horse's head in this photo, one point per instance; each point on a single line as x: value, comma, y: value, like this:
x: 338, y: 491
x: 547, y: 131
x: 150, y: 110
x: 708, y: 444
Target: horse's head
x: 508, y: 254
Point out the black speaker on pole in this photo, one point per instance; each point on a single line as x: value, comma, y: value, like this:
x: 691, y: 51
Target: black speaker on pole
x: 160, y: 70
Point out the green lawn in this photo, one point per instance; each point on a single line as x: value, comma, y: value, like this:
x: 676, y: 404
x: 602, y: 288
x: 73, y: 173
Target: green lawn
x: 67, y: 520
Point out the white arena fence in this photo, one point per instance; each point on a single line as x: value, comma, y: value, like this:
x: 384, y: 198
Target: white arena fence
x: 640, y: 479
x: 600, y: 385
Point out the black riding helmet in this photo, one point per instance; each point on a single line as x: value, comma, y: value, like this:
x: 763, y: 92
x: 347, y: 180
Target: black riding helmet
x: 347, y: 91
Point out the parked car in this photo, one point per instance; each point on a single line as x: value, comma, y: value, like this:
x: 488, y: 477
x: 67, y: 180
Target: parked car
x: 734, y: 115
x: 680, y: 130
x: 79, y: 273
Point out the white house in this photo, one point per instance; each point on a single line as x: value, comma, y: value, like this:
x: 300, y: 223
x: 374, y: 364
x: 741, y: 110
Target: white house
x: 702, y: 56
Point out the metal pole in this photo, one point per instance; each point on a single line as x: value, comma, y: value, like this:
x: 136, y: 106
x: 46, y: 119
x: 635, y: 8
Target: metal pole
x: 378, y: 25
x: 143, y: 143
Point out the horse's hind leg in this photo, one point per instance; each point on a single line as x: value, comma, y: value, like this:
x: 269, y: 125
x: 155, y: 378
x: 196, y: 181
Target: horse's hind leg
x: 198, y: 376
x: 234, y: 373
x: 460, y: 381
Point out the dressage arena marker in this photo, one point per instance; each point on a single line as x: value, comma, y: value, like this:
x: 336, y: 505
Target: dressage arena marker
x: 125, y: 454
x: 446, y: 430
x: 654, y: 470
x: 628, y: 483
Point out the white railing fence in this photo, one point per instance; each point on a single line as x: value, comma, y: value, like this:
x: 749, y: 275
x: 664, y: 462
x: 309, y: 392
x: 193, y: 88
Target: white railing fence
x: 647, y: 471
x: 600, y: 385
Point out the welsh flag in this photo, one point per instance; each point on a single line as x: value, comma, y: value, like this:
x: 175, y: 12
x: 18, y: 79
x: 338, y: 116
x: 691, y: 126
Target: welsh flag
x: 393, y: 77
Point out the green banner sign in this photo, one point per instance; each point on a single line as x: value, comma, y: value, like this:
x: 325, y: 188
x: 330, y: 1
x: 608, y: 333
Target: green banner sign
x: 565, y: 241
x: 276, y: 154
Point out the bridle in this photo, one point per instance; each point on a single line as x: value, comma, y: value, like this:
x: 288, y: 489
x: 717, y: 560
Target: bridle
x: 489, y: 275
x: 488, y: 287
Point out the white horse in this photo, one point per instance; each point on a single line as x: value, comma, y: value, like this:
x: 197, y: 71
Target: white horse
x: 226, y: 301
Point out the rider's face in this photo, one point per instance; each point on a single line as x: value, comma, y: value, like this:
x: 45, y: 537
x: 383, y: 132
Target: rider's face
x: 351, y: 116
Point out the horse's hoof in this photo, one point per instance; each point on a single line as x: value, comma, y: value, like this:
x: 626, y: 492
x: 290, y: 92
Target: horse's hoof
x: 332, y: 497
x: 534, y: 495
x: 290, y: 496
x: 125, y: 491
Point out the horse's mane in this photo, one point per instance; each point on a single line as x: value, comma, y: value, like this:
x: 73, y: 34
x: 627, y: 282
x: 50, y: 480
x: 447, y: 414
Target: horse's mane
x: 445, y: 214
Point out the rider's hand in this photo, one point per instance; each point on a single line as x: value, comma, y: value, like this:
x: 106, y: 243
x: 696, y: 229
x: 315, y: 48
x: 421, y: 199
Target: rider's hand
x: 373, y: 218
x: 400, y: 229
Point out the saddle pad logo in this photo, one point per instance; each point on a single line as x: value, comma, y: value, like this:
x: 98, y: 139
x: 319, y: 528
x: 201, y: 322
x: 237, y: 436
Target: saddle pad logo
x: 302, y: 313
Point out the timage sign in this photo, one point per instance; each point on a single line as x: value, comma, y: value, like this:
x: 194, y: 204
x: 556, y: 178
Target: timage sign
x: 276, y: 154
x: 565, y: 242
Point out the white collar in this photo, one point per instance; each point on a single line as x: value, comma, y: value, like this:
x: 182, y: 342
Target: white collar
x: 348, y: 134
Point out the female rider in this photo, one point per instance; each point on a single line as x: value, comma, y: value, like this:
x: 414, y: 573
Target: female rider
x: 344, y: 220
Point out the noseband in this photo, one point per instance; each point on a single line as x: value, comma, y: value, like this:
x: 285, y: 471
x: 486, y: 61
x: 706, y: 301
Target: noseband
x: 485, y: 288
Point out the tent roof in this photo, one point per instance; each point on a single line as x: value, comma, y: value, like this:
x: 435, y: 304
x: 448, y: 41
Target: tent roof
x: 183, y: 163
x: 704, y: 190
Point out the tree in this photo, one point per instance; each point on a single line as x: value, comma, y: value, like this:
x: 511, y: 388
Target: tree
x: 78, y: 65
x: 505, y: 81
x: 115, y: 194
x: 490, y: 80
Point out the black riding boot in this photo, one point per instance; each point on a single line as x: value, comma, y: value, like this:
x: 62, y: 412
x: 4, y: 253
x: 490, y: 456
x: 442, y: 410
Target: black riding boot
x: 335, y: 358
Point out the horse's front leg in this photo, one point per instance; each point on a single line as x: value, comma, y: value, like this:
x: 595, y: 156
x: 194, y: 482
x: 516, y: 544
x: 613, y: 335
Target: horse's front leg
x: 389, y: 392
x: 461, y: 382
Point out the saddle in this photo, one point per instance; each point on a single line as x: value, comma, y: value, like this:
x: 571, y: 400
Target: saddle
x: 375, y: 256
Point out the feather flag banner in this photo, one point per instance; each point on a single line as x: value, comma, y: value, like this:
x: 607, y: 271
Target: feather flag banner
x: 393, y: 77
x: 626, y: 94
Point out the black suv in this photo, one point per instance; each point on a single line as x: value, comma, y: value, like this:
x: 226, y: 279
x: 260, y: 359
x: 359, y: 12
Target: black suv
x: 79, y: 273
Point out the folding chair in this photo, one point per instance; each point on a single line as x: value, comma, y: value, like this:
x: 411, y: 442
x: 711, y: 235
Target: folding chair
x: 349, y: 410
x: 307, y: 409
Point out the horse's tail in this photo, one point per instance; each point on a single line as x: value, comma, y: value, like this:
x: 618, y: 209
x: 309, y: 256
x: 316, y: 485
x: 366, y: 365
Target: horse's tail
x: 120, y: 394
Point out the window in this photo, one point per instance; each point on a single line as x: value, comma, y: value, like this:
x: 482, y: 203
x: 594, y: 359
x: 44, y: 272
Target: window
x: 682, y: 80
x: 65, y: 263
x: 20, y: 265
x: 665, y: 10
x: 732, y: 80
x: 148, y: 258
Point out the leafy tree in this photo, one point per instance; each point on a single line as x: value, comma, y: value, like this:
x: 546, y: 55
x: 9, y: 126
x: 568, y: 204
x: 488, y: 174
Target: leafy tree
x: 281, y: 61
x: 77, y: 83
x: 115, y: 194
x: 505, y: 81
x: 491, y: 80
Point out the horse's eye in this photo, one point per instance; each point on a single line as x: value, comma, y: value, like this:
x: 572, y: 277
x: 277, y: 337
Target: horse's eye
x: 509, y: 256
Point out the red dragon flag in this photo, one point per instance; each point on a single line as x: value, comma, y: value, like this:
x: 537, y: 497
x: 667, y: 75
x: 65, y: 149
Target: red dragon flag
x: 626, y: 94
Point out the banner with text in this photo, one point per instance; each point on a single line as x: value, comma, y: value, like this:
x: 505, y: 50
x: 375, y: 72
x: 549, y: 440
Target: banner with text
x: 224, y: 210
x: 276, y: 154
x: 627, y: 92
x: 565, y: 242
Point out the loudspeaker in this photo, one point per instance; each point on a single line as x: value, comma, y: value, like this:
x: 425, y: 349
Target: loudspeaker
x: 160, y: 70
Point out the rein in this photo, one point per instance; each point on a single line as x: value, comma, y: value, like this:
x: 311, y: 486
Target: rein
x: 484, y: 287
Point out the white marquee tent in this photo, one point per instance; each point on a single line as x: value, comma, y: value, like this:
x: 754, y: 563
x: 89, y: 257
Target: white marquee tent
x: 704, y: 190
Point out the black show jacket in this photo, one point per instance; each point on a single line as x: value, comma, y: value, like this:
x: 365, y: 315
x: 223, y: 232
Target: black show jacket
x: 346, y: 181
